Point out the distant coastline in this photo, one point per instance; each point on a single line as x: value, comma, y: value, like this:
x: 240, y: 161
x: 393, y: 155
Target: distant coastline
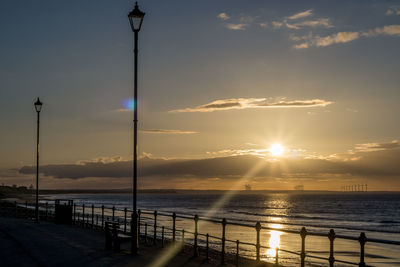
x: 9, y: 191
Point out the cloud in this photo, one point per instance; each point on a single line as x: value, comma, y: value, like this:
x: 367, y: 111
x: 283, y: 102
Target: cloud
x: 376, y: 160
x: 93, y: 168
x: 386, y: 30
x: 101, y: 160
x: 297, y: 38
x: 239, y: 26
x: 293, y: 22
x: 301, y: 46
x: 262, y: 152
x: 395, y: 10
x: 163, y: 131
x: 241, y: 23
x: 292, y: 26
x: 340, y: 37
x: 343, y: 37
x: 277, y: 24
x: 259, y: 152
x: 300, y: 15
x: 223, y: 16
x: 297, y: 22
x: 369, y: 147
x: 323, y: 22
x: 246, y: 103
x: 247, y: 19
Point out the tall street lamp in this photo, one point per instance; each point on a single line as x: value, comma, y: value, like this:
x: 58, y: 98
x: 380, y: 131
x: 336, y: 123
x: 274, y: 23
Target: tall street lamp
x: 135, y: 19
x: 38, y: 107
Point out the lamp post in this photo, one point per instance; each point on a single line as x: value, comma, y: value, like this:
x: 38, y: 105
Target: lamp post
x: 135, y: 19
x: 38, y: 107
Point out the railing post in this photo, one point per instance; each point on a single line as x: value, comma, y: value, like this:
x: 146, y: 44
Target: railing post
x: 331, y: 237
x: 173, y: 226
x: 162, y: 236
x: 125, y: 211
x: 145, y: 233
x: 113, y: 213
x: 83, y: 214
x: 258, y: 245
x: 196, y: 233
x: 183, y: 239
x: 74, y: 214
x: 303, y: 234
x: 155, y: 229
x: 47, y: 210
x: 223, y: 241
x: 138, y: 228
x: 362, y: 239
x: 79, y: 218
x: 92, y: 215
x: 237, y: 253
x: 276, y: 256
x: 97, y: 220
x: 207, y: 257
x: 102, y: 216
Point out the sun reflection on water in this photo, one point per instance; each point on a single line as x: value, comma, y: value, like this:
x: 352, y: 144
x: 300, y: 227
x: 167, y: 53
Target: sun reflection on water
x: 274, y: 240
x: 273, y: 243
x: 278, y: 206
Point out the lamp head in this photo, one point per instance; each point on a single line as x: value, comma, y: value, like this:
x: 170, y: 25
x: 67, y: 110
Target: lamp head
x: 38, y: 105
x: 136, y: 18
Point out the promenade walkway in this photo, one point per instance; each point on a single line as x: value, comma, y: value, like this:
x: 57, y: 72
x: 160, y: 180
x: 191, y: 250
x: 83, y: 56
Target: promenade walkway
x: 24, y: 243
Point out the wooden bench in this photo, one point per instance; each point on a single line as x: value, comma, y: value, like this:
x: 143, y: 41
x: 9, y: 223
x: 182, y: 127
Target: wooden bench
x: 113, y: 238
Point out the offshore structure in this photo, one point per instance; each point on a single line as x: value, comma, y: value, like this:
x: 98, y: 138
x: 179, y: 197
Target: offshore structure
x: 247, y: 187
x: 355, y: 188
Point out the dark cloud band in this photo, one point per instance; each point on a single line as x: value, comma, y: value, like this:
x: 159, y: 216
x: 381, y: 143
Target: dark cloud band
x: 378, y: 163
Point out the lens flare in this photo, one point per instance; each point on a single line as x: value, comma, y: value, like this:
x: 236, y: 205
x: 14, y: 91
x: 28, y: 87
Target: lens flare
x: 173, y: 250
x: 129, y: 104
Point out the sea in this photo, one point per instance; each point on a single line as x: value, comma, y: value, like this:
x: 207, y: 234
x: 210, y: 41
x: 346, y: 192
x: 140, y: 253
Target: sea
x: 377, y: 214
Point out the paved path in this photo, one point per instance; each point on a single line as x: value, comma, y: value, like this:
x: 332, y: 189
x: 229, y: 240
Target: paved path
x: 24, y: 243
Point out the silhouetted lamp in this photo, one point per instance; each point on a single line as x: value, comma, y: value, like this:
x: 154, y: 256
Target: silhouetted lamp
x: 38, y: 107
x: 135, y: 18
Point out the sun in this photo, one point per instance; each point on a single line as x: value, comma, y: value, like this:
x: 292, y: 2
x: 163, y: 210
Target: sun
x: 276, y: 150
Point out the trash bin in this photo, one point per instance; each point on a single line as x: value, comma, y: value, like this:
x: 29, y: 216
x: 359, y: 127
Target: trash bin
x: 63, y: 211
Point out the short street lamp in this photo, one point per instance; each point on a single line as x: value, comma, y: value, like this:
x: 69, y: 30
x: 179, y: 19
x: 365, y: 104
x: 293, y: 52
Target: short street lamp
x: 38, y: 107
x: 135, y: 18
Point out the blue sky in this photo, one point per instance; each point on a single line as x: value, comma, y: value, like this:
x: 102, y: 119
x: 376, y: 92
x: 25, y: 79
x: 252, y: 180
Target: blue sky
x: 319, y: 77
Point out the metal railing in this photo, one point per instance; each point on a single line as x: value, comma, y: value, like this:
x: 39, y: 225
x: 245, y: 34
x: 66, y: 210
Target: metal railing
x: 147, y: 219
x: 26, y: 210
x: 96, y: 216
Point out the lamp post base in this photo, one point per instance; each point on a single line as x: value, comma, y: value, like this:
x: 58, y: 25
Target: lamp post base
x: 134, y: 234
